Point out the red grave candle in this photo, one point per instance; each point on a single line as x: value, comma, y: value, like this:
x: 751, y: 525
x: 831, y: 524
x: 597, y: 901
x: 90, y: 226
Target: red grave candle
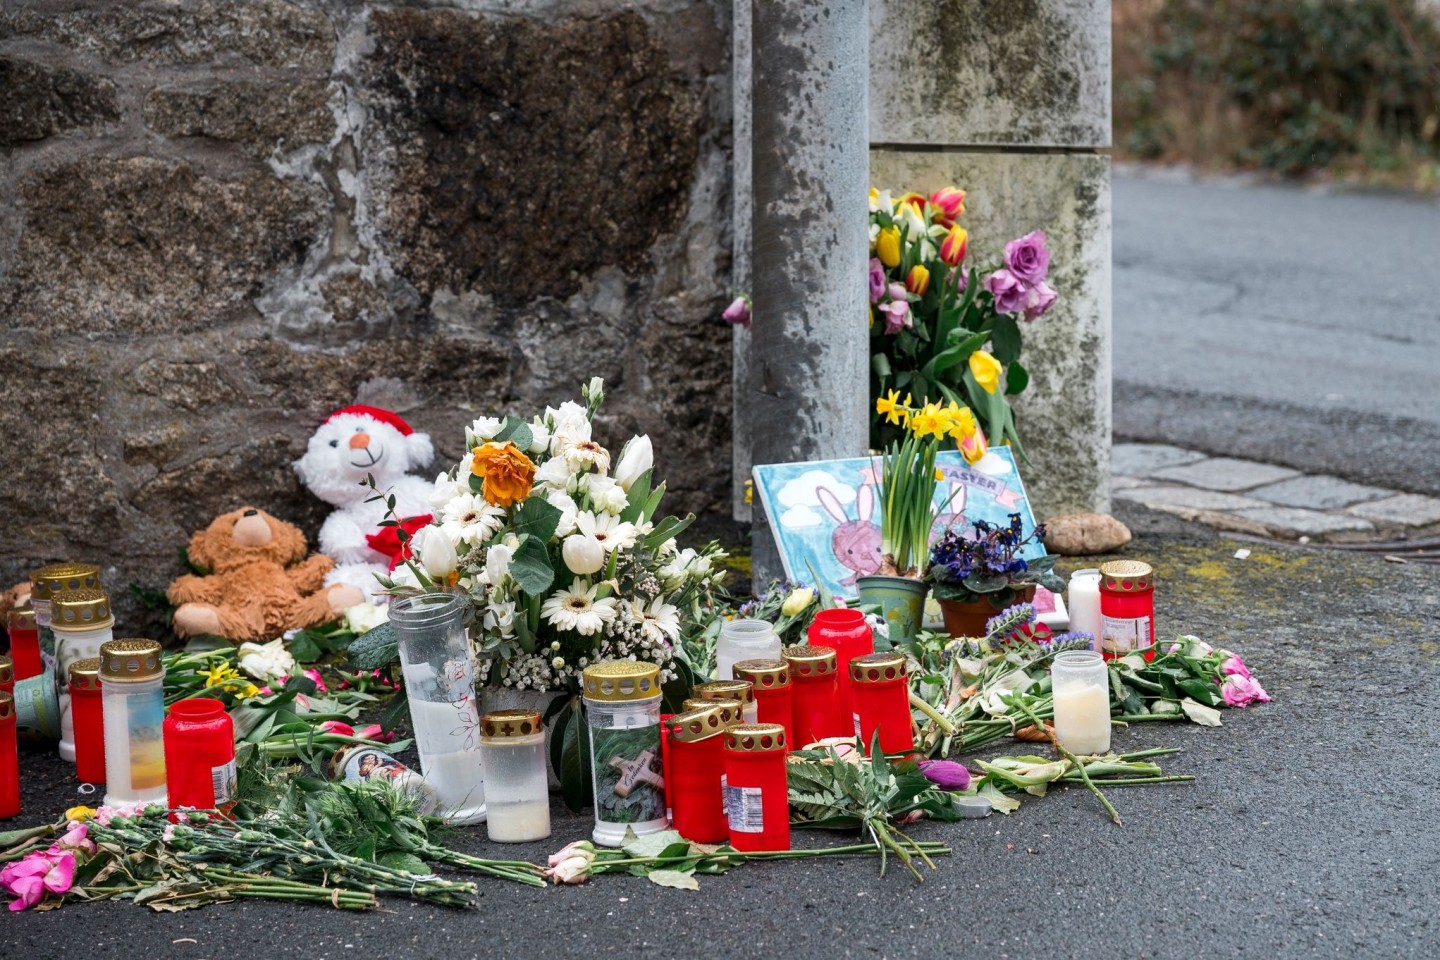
x: 729, y: 690
x: 757, y: 798
x: 814, y: 680
x: 7, y: 675
x: 1127, y: 609
x: 773, y: 692
x: 87, y: 716
x: 24, y: 643
x: 845, y: 631
x: 200, y: 754
x: 693, y: 782
x: 9, y: 760
x: 882, y: 702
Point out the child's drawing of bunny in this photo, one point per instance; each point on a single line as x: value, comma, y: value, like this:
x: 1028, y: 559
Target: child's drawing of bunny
x: 952, y: 512
x: 856, y: 543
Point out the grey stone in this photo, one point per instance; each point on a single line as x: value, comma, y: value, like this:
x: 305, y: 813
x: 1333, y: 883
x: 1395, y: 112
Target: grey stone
x: 146, y: 246
x: 1406, y: 510
x: 39, y: 100
x: 260, y: 116
x: 1319, y: 492
x: 1064, y: 415
x: 1084, y: 534
x: 1127, y: 483
x: 1225, y: 473
x: 1142, y: 459
x: 1297, y: 522
x: 957, y: 72
x: 1187, y: 498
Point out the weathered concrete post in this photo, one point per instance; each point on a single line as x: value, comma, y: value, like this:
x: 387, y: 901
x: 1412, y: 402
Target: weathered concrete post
x: 808, y: 387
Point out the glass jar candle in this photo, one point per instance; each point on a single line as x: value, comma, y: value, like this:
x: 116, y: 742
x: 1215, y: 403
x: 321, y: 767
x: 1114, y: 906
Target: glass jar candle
x: 1127, y: 609
x: 731, y: 711
x: 814, y: 676
x: 87, y: 716
x: 774, y: 698
x: 359, y: 762
x: 744, y: 640
x: 882, y: 702
x: 729, y: 690
x: 1082, y: 598
x: 132, y: 697
x: 757, y: 796
x: 9, y: 760
x: 696, y: 780
x: 845, y: 631
x: 81, y: 622
x: 1080, y: 684
x: 24, y: 643
x: 200, y: 754
x: 517, y: 790
x: 440, y: 680
x: 45, y: 583
x: 622, y: 710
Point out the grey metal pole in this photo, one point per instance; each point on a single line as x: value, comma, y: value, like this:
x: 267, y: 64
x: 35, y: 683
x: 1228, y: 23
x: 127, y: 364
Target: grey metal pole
x: 808, y: 378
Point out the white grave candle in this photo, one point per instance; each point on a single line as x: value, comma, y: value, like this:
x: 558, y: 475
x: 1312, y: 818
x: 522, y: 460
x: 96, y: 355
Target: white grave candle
x: 1083, y: 599
x: 1081, y: 687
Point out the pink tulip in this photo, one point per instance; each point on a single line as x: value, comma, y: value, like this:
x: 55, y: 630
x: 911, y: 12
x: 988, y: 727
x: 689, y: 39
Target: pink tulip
x: 373, y: 732
x: 337, y: 726
x: 314, y: 675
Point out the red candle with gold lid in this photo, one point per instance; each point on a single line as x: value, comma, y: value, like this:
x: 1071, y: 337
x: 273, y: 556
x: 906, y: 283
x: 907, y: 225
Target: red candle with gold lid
x: 1127, y: 609
x: 773, y: 698
x: 697, y: 764
x: 882, y: 702
x: 757, y: 797
x: 87, y: 718
x: 9, y: 760
x: 844, y: 630
x: 814, y: 675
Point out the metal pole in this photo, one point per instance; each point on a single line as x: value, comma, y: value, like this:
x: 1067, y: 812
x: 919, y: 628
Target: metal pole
x: 808, y: 378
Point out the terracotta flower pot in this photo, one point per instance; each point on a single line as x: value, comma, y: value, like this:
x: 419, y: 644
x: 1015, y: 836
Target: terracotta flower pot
x: 966, y: 618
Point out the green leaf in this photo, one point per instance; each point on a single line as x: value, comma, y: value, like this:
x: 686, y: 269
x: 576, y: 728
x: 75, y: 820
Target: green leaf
x: 1201, y: 691
x: 1017, y: 378
x: 538, y: 518
x: 304, y: 648
x: 998, y: 800
x: 517, y: 431
x: 1199, y: 713
x: 396, y: 710
x: 667, y: 529
x: 1005, y: 338
x: 661, y: 843
x: 400, y: 860
x: 677, y: 879
x: 950, y: 356
x: 881, y: 365
x: 531, y: 566
x: 375, y: 648
x: 575, y: 788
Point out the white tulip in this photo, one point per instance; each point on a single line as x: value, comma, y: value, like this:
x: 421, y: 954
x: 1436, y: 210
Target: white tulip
x: 637, y: 457
x: 497, y: 563
x: 583, y: 554
x: 266, y: 661
x: 435, y: 553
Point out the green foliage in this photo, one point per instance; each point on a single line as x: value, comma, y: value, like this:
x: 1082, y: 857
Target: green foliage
x: 375, y: 648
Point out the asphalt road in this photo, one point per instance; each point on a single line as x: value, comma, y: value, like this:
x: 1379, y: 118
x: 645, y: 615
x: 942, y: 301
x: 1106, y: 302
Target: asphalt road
x: 1289, y: 325
x: 1311, y: 831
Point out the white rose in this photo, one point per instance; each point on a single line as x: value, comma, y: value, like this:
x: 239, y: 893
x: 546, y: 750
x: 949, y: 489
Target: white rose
x: 365, y: 616
x: 583, y: 554
x: 500, y: 617
x: 446, y: 490
x: 606, y: 494
x: 485, y: 428
x: 563, y: 502
x: 637, y: 457
x: 539, y: 437
x: 266, y: 661
x: 555, y: 473
x: 497, y: 563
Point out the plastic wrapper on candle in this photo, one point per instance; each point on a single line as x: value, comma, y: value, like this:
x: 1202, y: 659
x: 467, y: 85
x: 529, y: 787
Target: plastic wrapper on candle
x: 440, y: 681
x: 622, y: 709
x: 741, y: 690
x: 87, y: 714
x: 9, y: 759
x: 132, y: 681
x: 1127, y: 609
x: 881, y: 694
x: 774, y: 693
x: 517, y: 791
x: 37, y: 708
x: 757, y: 798
x: 814, y: 674
x: 7, y: 675
x: 82, y: 623
x: 1080, y: 685
x: 695, y: 782
x: 744, y: 640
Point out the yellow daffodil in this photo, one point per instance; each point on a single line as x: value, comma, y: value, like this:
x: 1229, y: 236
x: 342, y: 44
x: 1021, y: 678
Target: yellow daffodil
x: 939, y: 475
x: 962, y: 425
x: 928, y: 421
x: 77, y: 814
x: 219, y: 674
x: 891, y: 407
x: 986, y: 370
x: 887, y: 246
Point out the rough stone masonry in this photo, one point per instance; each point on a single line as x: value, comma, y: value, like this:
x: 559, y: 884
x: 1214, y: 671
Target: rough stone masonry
x: 221, y: 220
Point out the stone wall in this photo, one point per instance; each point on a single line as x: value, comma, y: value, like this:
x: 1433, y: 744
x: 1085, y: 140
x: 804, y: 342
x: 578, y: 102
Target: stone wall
x: 221, y: 220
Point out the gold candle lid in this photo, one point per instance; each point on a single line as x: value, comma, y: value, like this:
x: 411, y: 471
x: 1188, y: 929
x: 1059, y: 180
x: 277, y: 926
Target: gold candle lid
x: 725, y: 690
x: 764, y: 674
x: 755, y: 737
x: 60, y: 577
x: 85, y: 674
x: 620, y: 680
x: 506, y: 724
x: 7, y: 706
x: 807, y: 661
x: 80, y: 609
x: 695, y: 725
x: 732, y: 711
x: 7, y: 670
x: 130, y: 660
x: 22, y: 618
x: 878, y: 668
x: 1126, y: 576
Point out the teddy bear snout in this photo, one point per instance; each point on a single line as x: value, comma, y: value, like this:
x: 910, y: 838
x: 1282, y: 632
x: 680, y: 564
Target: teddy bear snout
x: 360, y: 441
x: 251, y: 530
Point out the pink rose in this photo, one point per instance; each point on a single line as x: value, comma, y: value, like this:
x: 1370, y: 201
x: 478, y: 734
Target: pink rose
x: 77, y: 837
x: 877, y: 280
x: 738, y: 313
x: 1038, y: 299
x: 1238, y: 691
x: 1233, y: 665
x: 1008, y: 290
x: 30, y: 879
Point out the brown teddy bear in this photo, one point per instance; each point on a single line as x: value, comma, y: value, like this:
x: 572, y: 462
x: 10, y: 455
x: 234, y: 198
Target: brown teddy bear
x: 253, y: 593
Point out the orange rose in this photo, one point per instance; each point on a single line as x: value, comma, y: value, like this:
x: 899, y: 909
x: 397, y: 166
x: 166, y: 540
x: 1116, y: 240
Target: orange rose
x: 508, y: 473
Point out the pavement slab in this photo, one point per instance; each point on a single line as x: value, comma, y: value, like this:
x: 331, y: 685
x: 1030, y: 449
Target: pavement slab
x: 1406, y: 510
x: 1318, y: 492
x: 1294, y: 522
x: 1225, y: 473
x: 1305, y: 834
x: 1140, y: 459
x: 1172, y: 498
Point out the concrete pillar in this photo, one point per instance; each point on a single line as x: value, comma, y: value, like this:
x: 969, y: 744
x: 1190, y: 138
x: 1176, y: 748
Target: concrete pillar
x: 809, y: 243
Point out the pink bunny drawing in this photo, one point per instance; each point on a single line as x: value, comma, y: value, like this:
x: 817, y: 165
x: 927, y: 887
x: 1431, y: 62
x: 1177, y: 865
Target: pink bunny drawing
x: 856, y: 543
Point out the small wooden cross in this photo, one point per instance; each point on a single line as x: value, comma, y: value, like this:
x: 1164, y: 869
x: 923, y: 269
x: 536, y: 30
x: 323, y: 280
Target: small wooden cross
x: 643, y: 769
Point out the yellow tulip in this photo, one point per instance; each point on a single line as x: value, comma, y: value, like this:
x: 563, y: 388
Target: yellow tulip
x: 917, y: 281
x: 986, y: 370
x: 887, y: 247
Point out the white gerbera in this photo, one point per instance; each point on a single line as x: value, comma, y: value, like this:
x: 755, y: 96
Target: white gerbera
x: 659, y: 622
x: 586, y: 453
x: 612, y: 532
x: 577, y: 609
x: 469, y: 519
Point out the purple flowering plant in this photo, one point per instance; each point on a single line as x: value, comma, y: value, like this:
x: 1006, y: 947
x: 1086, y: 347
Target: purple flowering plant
x: 984, y: 560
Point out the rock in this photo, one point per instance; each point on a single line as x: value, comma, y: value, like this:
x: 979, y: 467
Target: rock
x: 1084, y: 534
x: 260, y: 116
x: 39, y: 101
x: 529, y: 153
x: 143, y: 246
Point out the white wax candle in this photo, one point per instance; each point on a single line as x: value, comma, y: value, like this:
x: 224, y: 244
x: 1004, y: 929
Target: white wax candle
x: 1083, y: 600
x: 518, y: 822
x: 447, y: 736
x: 1082, y: 718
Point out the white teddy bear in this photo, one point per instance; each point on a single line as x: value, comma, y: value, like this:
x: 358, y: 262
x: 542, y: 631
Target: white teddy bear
x: 352, y: 442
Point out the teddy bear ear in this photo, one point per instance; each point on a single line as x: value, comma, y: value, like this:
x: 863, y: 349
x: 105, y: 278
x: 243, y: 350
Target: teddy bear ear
x: 421, y: 450
x: 288, y: 537
x: 198, y: 552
